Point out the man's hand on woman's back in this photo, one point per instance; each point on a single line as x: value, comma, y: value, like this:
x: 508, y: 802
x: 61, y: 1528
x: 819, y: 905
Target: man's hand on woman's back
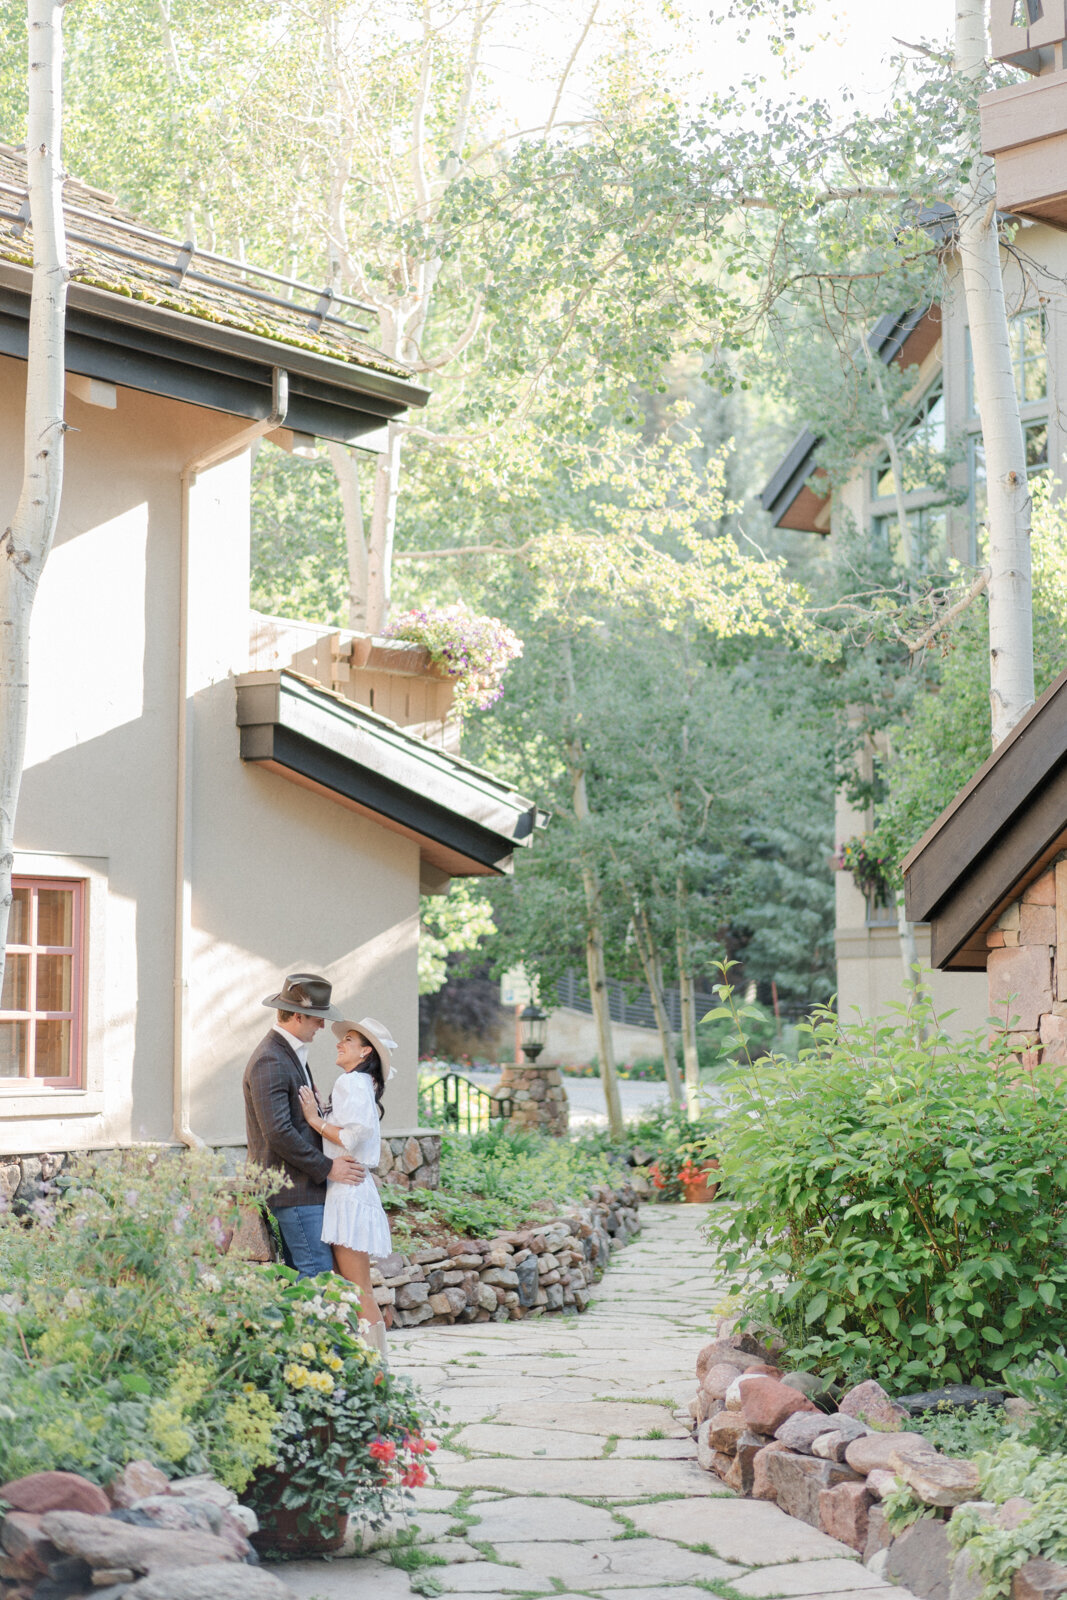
x: 346, y: 1170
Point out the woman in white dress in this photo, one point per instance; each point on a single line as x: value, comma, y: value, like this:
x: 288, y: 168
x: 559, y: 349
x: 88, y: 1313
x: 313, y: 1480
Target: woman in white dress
x: 354, y: 1221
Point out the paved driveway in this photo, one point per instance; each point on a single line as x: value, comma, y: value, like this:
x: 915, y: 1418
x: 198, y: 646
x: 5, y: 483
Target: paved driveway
x: 567, y: 1468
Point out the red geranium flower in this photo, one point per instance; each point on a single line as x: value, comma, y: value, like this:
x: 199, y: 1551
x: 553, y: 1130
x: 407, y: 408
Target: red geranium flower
x: 415, y: 1476
x: 382, y: 1450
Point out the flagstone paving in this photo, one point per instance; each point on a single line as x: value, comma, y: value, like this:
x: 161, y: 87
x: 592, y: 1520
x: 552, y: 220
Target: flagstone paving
x: 566, y: 1465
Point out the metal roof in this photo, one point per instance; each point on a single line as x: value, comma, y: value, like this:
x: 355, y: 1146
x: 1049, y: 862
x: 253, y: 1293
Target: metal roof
x: 466, y: 821
x: 113, y: 251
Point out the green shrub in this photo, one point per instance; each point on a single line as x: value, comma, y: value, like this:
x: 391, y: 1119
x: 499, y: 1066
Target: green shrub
x: 901, y: 1201
x: 1044, y: 1383
x: 125, y: 1335
x: 495, y: 1181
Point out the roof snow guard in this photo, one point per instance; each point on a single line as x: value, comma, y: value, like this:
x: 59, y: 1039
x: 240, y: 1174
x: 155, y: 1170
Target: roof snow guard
x: 466, y: 822
x: 999, y: 834
x: 789, y: 497
x: 149, y: 313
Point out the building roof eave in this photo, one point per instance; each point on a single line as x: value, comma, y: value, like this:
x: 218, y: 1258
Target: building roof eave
x: 466, y: 822
x: 998, y: 834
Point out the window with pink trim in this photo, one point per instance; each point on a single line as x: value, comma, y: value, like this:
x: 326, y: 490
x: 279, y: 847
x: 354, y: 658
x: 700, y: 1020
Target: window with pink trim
x: 41, y: 1008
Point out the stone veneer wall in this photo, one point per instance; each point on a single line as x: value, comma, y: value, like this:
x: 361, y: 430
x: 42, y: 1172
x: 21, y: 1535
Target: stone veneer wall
x: 411, y: 1159
x: 538, y: 1098
x: 1028, y: 968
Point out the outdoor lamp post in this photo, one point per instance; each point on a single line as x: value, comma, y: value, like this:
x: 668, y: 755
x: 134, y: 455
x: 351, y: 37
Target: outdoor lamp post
x: 533, y: 1024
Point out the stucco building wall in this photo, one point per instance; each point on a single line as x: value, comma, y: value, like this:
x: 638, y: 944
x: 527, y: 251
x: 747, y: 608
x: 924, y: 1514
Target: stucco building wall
x: 278, y: 877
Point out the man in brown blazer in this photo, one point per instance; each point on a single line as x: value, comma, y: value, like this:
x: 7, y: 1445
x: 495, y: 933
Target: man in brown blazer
x: 279, y: 1138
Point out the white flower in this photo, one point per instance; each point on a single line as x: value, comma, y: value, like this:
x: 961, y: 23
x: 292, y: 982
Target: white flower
x: 211, y: 1282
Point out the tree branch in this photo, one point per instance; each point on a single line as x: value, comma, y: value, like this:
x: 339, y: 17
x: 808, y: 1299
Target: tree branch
x: 940, y: 623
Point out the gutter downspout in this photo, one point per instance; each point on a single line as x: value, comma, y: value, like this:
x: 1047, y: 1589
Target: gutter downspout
x: 224, y: 451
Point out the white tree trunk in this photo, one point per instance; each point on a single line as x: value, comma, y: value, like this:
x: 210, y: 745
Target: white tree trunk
x: 346, y: 470
x: 690, y: 1055
x: 1011, y: 649
x: 382, y: 530
x: 25, y: 544
x: 596, y: 968
x: 653, y: 970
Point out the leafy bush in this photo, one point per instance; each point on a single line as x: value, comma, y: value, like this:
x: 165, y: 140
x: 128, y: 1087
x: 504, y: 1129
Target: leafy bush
x: 901, y: 1201
x: 124, y: 1335
x: 495, y: 1181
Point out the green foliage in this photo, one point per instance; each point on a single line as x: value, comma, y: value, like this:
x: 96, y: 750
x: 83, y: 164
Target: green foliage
x: 962, y: 1433
x: 1044, y: 1383
x: 450, y: 924
x: 497, y: 1181
x: 1014, y: 1470
x: 125, y: 1335
x: 662, y: 1143
x: 901, y: 1200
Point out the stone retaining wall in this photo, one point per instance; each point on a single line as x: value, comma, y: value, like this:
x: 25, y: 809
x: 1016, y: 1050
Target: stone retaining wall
x: 830, y: 1459
x: 411, y: 1159
x: 524, y: 1274
x: 538, y: 1098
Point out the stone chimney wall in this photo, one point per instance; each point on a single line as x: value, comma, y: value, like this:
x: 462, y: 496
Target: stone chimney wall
x: 1027, y: 968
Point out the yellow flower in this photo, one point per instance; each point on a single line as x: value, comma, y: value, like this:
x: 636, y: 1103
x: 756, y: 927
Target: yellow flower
x: 296, y: 1376
x: 307, y: 1351
x: 334, y: 1362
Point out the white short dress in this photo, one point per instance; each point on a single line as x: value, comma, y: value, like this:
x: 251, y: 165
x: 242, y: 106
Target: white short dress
x: 354, y: 1214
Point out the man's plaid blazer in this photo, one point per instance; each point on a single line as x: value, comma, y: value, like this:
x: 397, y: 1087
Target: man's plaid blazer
x: 278, y: 1135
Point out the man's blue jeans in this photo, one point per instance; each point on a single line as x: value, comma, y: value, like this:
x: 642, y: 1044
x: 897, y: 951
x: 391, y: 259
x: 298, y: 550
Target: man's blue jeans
x: 302, y: 1246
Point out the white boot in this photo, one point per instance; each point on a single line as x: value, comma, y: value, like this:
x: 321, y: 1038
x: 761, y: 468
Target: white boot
x: 376, y: 1339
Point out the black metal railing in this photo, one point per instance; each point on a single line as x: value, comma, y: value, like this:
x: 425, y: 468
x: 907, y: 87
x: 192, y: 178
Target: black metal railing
x: 453, y: 1101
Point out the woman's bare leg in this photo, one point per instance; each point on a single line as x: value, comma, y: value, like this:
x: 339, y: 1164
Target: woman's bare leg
x: 354, y: 1265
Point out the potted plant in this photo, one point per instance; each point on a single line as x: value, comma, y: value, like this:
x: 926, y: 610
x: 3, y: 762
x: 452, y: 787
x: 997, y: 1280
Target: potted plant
x: 681, y: 1171
x: 347, y: 1432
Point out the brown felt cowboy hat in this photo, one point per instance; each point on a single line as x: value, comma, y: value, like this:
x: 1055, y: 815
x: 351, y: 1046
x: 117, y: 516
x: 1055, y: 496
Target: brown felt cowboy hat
x: 305, y: 992
x: 377, y: 1035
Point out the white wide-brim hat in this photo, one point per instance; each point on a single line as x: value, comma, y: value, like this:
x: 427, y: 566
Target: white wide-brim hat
x: 376, y: 1034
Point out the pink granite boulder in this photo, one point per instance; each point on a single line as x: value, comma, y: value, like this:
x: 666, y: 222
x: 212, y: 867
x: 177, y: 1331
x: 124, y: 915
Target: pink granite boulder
x: 765, y: 1403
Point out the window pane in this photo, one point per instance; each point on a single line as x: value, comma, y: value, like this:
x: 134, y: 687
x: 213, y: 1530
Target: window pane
x: 18, y: 927
x: 53, y: 1050
x: 1037, y: 446
x: 53, y: 982
x: 13, y: 1042
x: 16, y: 993
x: 55, y: 916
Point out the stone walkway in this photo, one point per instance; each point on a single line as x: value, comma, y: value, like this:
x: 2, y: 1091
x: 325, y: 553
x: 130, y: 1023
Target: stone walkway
x: 567, y: 1466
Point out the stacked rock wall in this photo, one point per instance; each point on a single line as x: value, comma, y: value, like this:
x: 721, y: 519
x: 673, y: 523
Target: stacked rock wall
x: 538, y: 1098
x: 523, y: 1274
x: 1027, y: 968
x: 830, y: 1461
x: 145, y: 1536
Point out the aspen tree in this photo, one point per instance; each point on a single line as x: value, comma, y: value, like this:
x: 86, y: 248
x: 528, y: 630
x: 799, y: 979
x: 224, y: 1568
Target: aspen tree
x: 26, y: 542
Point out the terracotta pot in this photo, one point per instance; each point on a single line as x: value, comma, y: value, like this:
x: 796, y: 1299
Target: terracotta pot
x: 698, y: 1194
x: 287, y: 1530
x: 280, y: 1529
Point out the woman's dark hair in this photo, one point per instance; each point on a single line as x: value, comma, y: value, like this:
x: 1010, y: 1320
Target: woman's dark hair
x: 372, y: 1066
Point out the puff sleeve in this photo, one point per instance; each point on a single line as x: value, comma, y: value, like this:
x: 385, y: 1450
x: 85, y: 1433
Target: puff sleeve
x: 354, y: 1111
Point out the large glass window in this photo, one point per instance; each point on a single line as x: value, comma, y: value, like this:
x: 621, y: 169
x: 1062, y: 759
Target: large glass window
x: 1027, y: 335
x: 41, y: 1011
